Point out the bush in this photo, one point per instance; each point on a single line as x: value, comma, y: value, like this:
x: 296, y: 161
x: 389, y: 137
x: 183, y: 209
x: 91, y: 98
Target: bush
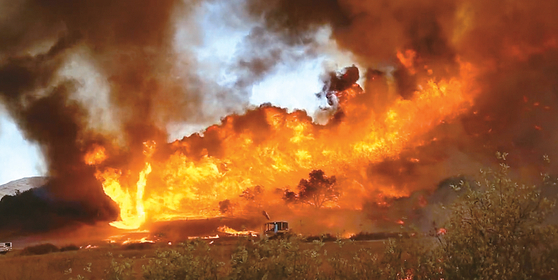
x: 275, y: 259
x: 403, y: 258
x: 40, y: 249
x: 190, y: 261
x: 120, y: 270
x: 70, y: 247
x: 495, y: 230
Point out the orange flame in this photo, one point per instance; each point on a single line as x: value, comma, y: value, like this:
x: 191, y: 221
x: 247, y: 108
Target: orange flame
x: 96, y: 155
x: 233, y: 232
x: 407, y: 59
x: 271, y: 148
x: 141, y: 240
x: 132, y: 210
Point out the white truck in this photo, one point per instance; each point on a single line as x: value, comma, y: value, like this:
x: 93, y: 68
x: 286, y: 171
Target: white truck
x: 5, y: 247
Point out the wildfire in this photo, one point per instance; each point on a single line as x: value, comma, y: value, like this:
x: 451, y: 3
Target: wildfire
x: 141, y: 240
x: 132, y: 209
x: 407, y: 59
x: 271, y: 148
x: 233, y: 232
x: 96, y: 155
x: 204, y: 237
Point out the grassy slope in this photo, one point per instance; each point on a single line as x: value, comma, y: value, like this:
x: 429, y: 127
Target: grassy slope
x: 57, y: 265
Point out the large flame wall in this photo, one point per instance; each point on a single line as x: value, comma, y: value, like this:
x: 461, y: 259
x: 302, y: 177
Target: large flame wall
x: 272, y: 148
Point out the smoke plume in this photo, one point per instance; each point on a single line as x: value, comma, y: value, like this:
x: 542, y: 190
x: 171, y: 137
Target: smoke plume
x: 402, y: 47
x: 130, y: 44
x: 513, y: 46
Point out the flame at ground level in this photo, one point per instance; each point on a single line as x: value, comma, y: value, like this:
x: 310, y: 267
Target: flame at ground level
x: 233, y: 232
x: 273, y: 149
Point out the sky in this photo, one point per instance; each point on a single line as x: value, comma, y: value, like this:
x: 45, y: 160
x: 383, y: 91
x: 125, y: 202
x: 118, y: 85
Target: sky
x: 290, y: 85
x: 19, y: 158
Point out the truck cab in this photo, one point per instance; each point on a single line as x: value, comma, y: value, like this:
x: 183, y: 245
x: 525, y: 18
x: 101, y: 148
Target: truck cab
x: 5, y: 247
x: 277, y: 228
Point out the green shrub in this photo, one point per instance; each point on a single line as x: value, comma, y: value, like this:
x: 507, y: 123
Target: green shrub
x: 403, y: 258
x: 497, y: 231
x: 119, y: 270
x: 275, y: 259
x: 190, y: 261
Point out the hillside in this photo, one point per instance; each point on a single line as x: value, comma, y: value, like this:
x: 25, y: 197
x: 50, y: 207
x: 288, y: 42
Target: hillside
x: 21, y: 185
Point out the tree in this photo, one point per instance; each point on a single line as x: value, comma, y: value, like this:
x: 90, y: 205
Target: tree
x: 253, y: 197
x: 316, y: 191
x: 252, y: 194
x: 225, y: 206
x: 290, y: 196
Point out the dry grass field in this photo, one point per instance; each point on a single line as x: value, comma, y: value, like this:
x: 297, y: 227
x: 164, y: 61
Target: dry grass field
x: 96, y: 263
